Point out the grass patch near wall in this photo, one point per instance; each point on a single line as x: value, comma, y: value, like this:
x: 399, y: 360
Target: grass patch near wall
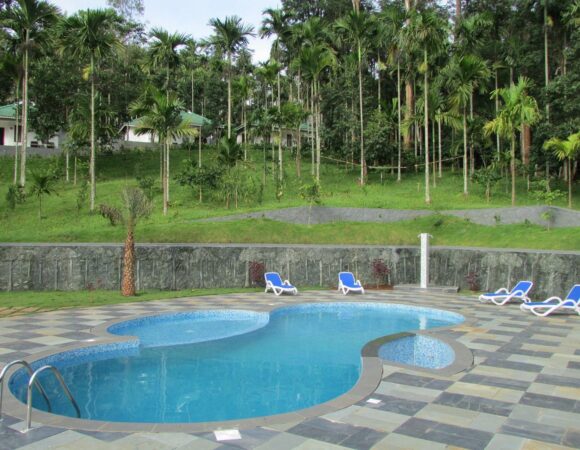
x: 27, y: 302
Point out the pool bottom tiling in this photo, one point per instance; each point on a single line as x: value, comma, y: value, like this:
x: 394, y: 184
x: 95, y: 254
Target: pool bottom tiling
x: 521, y: 392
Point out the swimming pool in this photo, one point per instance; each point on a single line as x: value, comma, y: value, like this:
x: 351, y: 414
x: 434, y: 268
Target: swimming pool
x: 224, y: 365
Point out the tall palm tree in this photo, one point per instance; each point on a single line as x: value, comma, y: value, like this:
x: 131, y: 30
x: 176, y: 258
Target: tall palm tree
x: 314, y: 60
x: 391, y: 21
x: 275, y: 23
x: 161, y: 116
x: 91, y: 34
x: 428, y: 32
x: 569, y: 150
x: 29, y: 20
x: 230, y: 35
x: 463, y: 75
x: 356, y: 25
x: 163, y: 51
x: 519, y: 110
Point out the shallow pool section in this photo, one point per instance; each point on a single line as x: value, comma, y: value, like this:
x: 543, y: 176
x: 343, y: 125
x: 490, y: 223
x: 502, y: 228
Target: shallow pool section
x: 199, y: 368
x: 420, y: 351
x: 190, y: 327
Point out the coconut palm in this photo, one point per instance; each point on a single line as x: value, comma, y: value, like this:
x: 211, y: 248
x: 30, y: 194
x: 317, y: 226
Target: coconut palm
x: 230, y: 35
x: 91, y: 34
x: 161, y: 116
x: 426, y: 32
x: 519, y: 110
x: 28, y: 20
x: 356, y: 26
x: 568, y: 150
x: 463, y: 75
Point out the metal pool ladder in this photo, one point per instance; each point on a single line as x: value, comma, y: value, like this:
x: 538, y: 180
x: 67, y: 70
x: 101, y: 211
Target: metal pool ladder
x: 34, y: 382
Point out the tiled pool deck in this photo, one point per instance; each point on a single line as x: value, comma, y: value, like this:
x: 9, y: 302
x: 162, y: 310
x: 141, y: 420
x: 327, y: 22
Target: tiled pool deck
x: 523, y: 391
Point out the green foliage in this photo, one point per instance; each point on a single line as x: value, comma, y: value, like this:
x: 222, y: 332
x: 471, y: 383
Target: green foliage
x: 15, y: 196
x: 42, y: 184
x: 206, y: 177
x: 543, y: 193
x: 487, y: 176
x: 230, y: 152
x: 82, y: 195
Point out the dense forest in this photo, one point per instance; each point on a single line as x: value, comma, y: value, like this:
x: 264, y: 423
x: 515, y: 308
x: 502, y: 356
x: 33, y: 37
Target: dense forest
x: 488, y: 88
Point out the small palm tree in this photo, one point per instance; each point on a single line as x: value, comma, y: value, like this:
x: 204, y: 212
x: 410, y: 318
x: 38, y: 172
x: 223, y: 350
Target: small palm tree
x: 91, y: 34
x: 136, y: 206
x: 28, y: 20
x: 42, y: 184
x: 161, y: 116
x: 519, y: 110
x: 163, y: 51
x: 569, y: 150
x: 230, y: 36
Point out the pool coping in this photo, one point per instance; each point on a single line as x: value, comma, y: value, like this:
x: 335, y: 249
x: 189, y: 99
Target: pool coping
x: 369, y: 380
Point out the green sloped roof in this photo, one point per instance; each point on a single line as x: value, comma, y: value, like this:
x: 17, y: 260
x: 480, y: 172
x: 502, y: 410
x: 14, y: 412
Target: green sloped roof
x: 195, y: 119
x: 8, y: 111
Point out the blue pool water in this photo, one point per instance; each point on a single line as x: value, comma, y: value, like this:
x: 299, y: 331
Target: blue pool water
x: 224, y: 365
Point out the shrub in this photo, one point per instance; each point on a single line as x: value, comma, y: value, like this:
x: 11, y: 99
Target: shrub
x: 472, y: 279
x: 257, y: 270
x: 381, y: 271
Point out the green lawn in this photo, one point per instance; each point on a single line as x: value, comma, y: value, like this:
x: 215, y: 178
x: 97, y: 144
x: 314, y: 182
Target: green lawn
x: 62, y: 222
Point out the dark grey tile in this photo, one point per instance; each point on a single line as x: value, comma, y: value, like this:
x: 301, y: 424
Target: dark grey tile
x: 531, y: 430
x: 446, y: 434
x: 8, y: 357
x: 574, y: 365
x: 324, y: 430
x: 534, y: 354
x: 23, y: 335
x: 103, y: 436
x: 550, y: 402
x: 77, y: 335
x: 542, y: 342
x: 12, y: 439
x: 397, y: 405
x: 488, y: 342
x: 418, y: 381
x: 21, y: 345
x: 363, y: 439
x: 518, y: 385
x: 557, y: 380
x: 472, y: 403
x: 502, y: 332
x: 572, y: 439
x: 524, y: 367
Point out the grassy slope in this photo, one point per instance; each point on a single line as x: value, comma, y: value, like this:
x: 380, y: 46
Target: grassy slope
x: 62, y: 223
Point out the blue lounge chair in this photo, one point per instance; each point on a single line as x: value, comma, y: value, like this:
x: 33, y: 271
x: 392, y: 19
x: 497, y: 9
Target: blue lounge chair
x: 275, y: 284
x: 502, y: 296
x: 347, y: 283
x: 553, y: 304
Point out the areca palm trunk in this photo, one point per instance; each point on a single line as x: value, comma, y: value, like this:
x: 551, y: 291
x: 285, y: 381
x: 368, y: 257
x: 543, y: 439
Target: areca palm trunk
x: 398, y: 120
x: 165, y: 175
x: 465, y: 187
x: 440, y: 149
x: 93, y: 193
x: 360, y: 96
x: 513, y: 167
x: 128, y: 282
x: 497, y: 136
x: 17, y: 125
x: 229, y: 95
x: 317, y: 115
x: 24, y: 113
x: 280, y: 171
x: 426, y: 131
x: 546, y: 55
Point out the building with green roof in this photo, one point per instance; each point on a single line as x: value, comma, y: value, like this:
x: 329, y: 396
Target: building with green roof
x: 10, y: 134
x: 129, y: 130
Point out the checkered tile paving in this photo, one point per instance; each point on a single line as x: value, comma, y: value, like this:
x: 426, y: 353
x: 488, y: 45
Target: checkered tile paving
x: 523, y: 391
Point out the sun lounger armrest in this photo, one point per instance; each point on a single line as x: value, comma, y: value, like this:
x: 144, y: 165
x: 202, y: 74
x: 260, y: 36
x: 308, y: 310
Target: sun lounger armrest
x: 501, y: 291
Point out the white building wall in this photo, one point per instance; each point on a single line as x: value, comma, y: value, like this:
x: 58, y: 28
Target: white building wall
x: 9, y: 127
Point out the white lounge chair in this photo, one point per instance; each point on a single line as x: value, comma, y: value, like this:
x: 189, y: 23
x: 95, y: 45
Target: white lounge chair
x: 274, y: 283
x: 553, y: 304
x: 502, y: 296
x: 347, y: 283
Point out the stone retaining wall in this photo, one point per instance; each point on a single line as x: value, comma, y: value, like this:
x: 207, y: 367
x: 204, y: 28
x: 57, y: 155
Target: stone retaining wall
x: 175, y: 267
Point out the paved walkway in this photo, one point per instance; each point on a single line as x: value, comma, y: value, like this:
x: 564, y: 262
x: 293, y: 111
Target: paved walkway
x: 558, y: 217
x: 523, y: 391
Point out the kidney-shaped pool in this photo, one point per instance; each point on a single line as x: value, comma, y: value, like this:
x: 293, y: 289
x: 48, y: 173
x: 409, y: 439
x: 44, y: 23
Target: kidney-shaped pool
x: 223, y: 365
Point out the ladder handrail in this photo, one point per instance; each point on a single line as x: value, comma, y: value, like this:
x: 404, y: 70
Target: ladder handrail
x: 20, y: 362
x: 58, y: 376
